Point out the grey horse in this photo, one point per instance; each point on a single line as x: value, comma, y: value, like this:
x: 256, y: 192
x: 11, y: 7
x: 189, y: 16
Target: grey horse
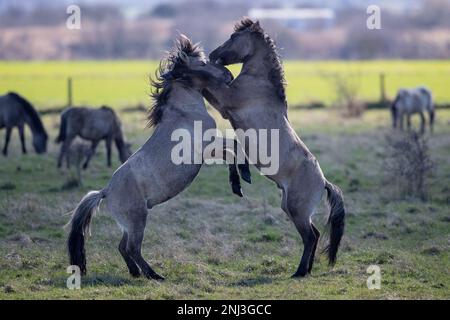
x: 16, y: 111
x: 150, y: 177
x: 94, y: 125
x: 409, y: 101
x: 256, y: 99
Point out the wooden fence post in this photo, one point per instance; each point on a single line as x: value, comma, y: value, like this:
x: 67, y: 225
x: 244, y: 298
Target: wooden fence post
x: 69, y: 92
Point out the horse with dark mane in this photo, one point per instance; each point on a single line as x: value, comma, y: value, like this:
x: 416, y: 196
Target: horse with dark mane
x: 93, y: 125
x: 256, y: 100
x: 150, y: 176
x: 16, y: 111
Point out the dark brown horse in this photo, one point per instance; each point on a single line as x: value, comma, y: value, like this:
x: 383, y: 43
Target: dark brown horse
x: 94, y: 125
x: 15, y: 111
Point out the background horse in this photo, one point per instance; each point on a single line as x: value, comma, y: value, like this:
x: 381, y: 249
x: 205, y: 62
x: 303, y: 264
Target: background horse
x: 256, y: 100
x: 410, y: 101
x: 94, y: 125
x: 150, y: 177
x: 15, y: 111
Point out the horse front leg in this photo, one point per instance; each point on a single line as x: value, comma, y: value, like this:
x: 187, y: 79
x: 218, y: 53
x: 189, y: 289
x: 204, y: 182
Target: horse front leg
x: 22, y: 138
x: 90, y: 154
x: 422, y: 123
x: 108, y: 143
x: 401, y: 118
x: 64, y: 148
x: 7, y: 138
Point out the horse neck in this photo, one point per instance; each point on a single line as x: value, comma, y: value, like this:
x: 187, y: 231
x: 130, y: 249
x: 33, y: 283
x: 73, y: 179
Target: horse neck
x: 28, y: 118
x: 258, y: 64
x: 182, y: 96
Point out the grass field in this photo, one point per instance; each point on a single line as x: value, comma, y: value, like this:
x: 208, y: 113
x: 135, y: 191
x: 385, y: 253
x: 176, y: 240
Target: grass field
x: 123, y: 83
x: 210, y: 244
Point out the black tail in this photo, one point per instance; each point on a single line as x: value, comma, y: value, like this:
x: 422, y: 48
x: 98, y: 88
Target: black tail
x: 79, y: 226
x: 336, y: 220
x: 62, y: 129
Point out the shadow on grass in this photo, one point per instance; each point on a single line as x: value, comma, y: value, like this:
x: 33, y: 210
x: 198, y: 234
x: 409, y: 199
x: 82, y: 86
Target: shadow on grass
x: 251, y: 282
x: 97, y: 280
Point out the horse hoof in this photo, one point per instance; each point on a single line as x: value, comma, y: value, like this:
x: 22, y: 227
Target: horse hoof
x: 135, y: 274
x: 238, y: 192
x: 298, y: 275
x: 155, y: 276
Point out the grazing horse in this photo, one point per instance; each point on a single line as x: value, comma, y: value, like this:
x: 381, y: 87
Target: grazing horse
x: 15, y: 111
x: 94, y: 125
x: 409, y: 101
x: 150, y: 176
x: 256, y: 100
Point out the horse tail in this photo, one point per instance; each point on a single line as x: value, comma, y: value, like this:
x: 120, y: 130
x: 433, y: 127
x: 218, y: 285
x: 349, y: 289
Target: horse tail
x: 336, y: 220
x: 62, y: 129
x: 80, y: 225
x: 35, y: 121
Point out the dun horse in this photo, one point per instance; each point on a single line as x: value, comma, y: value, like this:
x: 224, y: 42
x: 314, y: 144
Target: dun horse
x: 150, y: 177
x: 410, y: 101
x: 15, y: 111
x: 256, y: 100
x: 94, y: 125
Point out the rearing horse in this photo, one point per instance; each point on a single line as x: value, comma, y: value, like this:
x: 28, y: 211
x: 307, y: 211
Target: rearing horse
x: 150, y: 176
x: 256, y: 100
x: 16, y: 111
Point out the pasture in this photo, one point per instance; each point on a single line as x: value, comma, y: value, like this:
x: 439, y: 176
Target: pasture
x: 125, y: 83
x: 207, y: 242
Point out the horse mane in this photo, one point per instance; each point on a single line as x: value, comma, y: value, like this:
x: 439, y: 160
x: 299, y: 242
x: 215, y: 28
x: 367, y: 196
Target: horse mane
x: 276, y: 75
x: 36, y: 123
x: 162, y: 85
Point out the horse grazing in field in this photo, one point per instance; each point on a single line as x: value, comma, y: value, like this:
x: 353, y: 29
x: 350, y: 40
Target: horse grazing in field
x: 256, y: 99
x: 94, y: 125
x: 15, y: 111
x: 150, y: 176
x: 410, y: 101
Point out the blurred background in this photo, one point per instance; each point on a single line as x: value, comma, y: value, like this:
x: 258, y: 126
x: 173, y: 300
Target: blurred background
x: 325, y: 45
x: 321, y: 29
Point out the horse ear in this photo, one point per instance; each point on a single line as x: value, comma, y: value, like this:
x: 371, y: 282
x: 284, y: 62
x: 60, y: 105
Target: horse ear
x: 255, y: 26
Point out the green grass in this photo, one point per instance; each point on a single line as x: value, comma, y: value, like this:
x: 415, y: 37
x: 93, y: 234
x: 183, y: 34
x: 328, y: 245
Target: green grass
x: 122, y: 83
x: 210, y: 244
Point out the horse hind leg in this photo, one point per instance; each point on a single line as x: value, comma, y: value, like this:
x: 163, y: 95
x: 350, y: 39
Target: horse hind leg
x: 300, y: 213
x: 7, y: 138
x: 313, y: 253
x: 133, y: 247
x: 132, y: 267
